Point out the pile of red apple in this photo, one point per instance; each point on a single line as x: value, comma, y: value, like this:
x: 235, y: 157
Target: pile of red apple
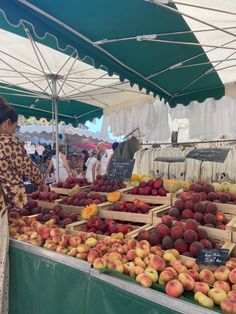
x: 105, y: 226
x: 186, y: 238
x: 45, y: 196
x: 83, y: 199
x: 208, y: 193
x: 151, y: 187
x: 30, y: 208
x: 103, y: 184
x: 191, y: 206
x: 137, y: 206
x: 71, y: 182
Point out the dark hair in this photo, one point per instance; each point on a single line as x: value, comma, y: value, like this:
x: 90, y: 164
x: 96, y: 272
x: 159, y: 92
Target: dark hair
x: 114, y: 146
x: 86, y: 157
x: 7, y: 112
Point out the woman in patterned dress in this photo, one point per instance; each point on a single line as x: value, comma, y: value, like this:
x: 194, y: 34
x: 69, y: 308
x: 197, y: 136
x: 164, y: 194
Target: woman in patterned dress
x: 14, y: 165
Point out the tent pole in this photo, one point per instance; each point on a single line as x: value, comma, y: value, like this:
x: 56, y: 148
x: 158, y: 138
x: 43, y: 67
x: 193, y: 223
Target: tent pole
x: 55, y: 105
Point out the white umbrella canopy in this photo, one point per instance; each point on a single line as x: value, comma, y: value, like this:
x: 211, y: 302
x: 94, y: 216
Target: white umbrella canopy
x: 28, y: 64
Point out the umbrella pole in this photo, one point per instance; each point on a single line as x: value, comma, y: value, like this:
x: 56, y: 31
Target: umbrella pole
x: 55, y: 105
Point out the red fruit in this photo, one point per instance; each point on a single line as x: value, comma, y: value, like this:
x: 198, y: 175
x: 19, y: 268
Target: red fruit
x: 209, y: 225
x: 202, y: 234
x: 210, y: 219
x: 221, y: 227
x: 35, y: 195
x: 70, y: 180
x: 196, y: 197
x: 188, y: 205
x: 199, y: 207
x: 187, y: 253
x: 192, y: 187
x: 174, y: 212
x: 211, y: 196
x: 211, y: 208
x: 198, y: 217
x: 179, y: 204
x: 154, y: 238
x: 176, y: 232
x: 66, y: 185
x: 203, y: 195
x: 67, y: 221
x: 163, y: 230
x: 198, y: 188
x: 187, y: 214
x: 186, y: 196
x: 233, y: 197
x: 224, y: 198
x: 167, y: 220
x: 73, y: 216
x: 190, y: 236
x: 143, y: 235
x: 158, y: 183
x: 167, y: 243
x: 162, y: 192
x: 150, y: 183
x: 142, y: 184
x: 201, y: 182
x: 195, y: 248
x: 154, y: 192
x: 208, y: 188
x: 191, y: 224
x: 181, y: 246
x: 206, y: 243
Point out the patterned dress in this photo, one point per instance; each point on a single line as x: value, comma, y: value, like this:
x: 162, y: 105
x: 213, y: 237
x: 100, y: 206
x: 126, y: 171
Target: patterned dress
x: 14, y: 165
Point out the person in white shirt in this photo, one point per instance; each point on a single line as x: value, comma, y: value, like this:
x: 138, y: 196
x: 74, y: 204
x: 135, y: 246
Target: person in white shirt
x: 104, y: 157
x: 91, y: 166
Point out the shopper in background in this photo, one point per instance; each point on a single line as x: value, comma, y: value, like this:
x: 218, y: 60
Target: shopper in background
x: 14, y: 165
x: 64, y: 169
x: 86, y: 157
x: 91, y: 166
x: 98, y: 167
x: 104, y: 157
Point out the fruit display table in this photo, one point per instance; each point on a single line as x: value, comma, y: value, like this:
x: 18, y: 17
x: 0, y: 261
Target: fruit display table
x: 45, y: 282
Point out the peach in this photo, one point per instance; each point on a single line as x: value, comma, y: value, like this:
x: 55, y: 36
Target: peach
x: 132, y: 244
x: 173, y: 271
x: 169, y: 257
x: 179, y: 267
x: 117, y: 265
x: 193, y: 273
x: 222, y: 285
x: 156, y: 250
x: 145, y: 280
x: 222, y: 273
x: 201, y: 287
x: 114, y: 256
x: 142, y: 252
x: 217, y: 295
x: 228, y: 306
x: 131, y: 255
x: 146, y: 260
x: 174, y: 252
x: 139, y: 262
x: 157, y: 262
x: 233, y: 287
x: 100, y: 263
x: 189, y: 263
x: 129, y: 267
x: 152, y: 273
x: 82, y: 256
x: 232, y: 295
x: 83, y: 248
x: 138, y: 269
x: 207, y: 276
x: 166, y: 276
x: 231, y: 263
x: 174, y: 288
x: 203, y: 300
x: 92, y: 255
x: 232, y: 276
x: 92, y: 242
x: 73, y: 252
x: 187, y: 281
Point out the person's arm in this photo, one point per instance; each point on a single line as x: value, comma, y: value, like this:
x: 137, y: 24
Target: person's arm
x: 49, y: 168
x: 65, y: 164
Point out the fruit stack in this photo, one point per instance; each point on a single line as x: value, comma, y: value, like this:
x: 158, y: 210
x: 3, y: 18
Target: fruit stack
x: 82, y: 199
x: 103, y: 184
x: 71, y: 182
x: 151, y: 187
x: 45, y: 196
x: 149, y: 265
x: 186, y: 238
x: 104, y: 227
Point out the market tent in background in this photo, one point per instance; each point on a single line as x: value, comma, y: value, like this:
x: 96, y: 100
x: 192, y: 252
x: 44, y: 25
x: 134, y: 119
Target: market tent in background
x: 76, y: 137
x: 166, y: 54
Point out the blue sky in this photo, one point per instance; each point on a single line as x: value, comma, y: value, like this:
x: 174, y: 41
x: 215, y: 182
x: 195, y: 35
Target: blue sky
x: 96, y: 127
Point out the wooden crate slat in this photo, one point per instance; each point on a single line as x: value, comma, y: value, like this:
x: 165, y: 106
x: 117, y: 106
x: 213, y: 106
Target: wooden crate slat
x: 164, y: 200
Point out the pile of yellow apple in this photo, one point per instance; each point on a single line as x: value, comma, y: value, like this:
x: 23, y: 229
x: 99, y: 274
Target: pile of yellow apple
x: 137, y: 259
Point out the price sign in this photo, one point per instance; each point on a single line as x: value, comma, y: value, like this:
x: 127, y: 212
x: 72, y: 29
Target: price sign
x: 121, y: 169
x: 213, y: 256
x: 211, y: 154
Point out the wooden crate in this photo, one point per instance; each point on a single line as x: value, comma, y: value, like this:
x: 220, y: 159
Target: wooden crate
x: 149, y: 199
x: 46, y: 204
x: 76, y: 226
x: 68, y: 192
x: 76, y: 209
x: 126, y: 216
x: 226, y: 235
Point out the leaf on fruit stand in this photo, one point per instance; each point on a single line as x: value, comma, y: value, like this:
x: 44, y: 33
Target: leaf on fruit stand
x: 89, y: 211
